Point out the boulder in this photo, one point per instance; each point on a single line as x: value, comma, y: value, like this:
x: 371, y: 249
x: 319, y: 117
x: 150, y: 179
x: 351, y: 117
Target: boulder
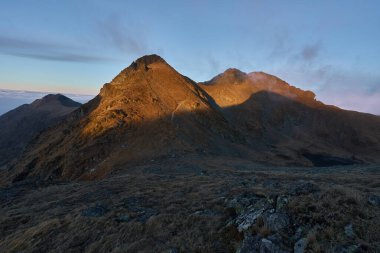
x: 349, y: 231
x: 277, y: 221
x: 247, y: 219
x: 300, y: 245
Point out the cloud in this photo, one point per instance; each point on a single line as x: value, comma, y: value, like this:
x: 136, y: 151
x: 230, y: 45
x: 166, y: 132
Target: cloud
x: 125, y: 36
x: 285, y: 49
x: 350, y: 89
x: 310, y: 52
x: 46, y: 51
x: 304, y: 66
x: 353, y: 100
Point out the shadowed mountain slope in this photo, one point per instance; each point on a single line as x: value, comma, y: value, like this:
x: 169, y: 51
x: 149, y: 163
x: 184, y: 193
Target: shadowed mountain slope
x: 291, y: 123
x: 19, y: 126
x: 150, y: 112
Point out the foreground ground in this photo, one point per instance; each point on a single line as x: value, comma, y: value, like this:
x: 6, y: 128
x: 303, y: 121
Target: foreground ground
x: 198, y: 205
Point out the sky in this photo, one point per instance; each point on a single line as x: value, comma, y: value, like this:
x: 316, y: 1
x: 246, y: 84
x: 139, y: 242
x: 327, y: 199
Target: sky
x: 75, y: 46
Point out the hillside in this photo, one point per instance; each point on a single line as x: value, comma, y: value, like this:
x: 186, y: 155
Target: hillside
x: 19, y: 126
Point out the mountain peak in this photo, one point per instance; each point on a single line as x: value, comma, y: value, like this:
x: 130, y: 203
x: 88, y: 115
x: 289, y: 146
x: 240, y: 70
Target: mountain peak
x: 229, y: 76
x: 149, y: 59
x: 234, y: 71
x: 51, y: 99
x: 146, y: 60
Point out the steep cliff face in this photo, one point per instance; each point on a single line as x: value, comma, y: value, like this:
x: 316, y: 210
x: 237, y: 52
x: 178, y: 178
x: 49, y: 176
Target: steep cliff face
x: 19, y: 126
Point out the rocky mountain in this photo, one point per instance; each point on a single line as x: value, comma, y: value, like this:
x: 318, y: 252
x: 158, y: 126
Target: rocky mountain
x: 292, y: 123
x: 19, y: 126
x: 150, y: 112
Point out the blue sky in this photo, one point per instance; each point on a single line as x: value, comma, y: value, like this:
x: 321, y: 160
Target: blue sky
x: 75, y: 46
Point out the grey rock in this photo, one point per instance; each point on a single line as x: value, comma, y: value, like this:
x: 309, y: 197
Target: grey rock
x: 240, y: 203
x: 300, y: 245
x: 282, y: 202
x: 204, y: 213
x: 374, y: 200
x: 275, y: 238
x: 247, y: 219
x: 255, y: 244
x: 267, y: 246
x: 277, y: 221
x: 299, y: 233
x: 173, y: 250
x: 349, y: 231
x: 96, y: 211
x: 250, y: 244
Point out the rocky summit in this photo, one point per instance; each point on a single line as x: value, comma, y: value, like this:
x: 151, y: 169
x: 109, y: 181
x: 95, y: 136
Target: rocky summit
x: 157, y: 162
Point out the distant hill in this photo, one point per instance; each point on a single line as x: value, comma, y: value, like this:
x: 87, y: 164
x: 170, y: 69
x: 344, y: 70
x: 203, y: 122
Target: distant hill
x: 151, y: 112
x: 11, y: 99
x: 19, y: 126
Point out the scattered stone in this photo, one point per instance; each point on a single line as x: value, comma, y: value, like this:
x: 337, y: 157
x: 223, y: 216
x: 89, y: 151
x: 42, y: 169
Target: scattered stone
x: 96, y: 211
x: 374, y: 200
x: 300, y: 245
x: 282, y: 202
x: 204, y: 173
x: 349, y: 231
x: 146, y: 214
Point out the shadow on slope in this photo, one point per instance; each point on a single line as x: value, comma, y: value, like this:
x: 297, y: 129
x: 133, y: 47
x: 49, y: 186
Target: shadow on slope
x: 266, y: 128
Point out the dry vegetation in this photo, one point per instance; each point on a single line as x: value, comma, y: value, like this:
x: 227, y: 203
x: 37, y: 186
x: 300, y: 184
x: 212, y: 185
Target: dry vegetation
x: 192, y: 205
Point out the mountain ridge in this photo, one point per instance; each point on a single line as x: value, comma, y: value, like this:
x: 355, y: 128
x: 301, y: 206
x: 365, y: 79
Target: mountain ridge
x: 149, y: 111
